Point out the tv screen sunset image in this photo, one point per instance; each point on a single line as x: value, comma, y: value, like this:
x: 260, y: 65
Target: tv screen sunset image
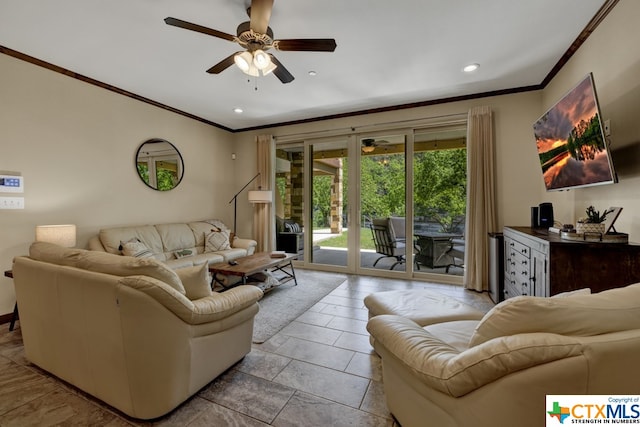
x: 570, y: 143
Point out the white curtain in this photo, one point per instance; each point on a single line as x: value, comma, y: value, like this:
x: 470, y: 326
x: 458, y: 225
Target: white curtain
x: 481, y: 211
x: 263, y: 225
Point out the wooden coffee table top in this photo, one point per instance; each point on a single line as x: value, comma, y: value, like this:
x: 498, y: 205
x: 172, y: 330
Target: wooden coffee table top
x: 251, y: 264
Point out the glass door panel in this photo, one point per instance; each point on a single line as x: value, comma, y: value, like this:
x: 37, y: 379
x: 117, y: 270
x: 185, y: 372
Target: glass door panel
x: 329, y: 202
x: 383, y: 242
x: 439, y: 199
x: 289, y: 198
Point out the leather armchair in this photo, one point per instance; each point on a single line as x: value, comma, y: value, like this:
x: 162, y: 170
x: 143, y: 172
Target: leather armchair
x: 123, y: 329
x: 497, y: 371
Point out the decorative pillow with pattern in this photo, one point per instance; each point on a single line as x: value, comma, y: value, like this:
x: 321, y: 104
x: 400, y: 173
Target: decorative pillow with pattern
x: 135, y: 248
x: 292, y: 227
x: 185, y: 252
x: 216, y: 241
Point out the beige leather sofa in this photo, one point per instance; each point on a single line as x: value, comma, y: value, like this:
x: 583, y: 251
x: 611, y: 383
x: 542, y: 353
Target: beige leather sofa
x: 124, y: 329
x: 497, y: 371
x: 166, y: 240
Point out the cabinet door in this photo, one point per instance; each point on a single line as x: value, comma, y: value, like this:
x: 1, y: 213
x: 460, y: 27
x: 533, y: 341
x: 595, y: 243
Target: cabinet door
x: 539, y: 275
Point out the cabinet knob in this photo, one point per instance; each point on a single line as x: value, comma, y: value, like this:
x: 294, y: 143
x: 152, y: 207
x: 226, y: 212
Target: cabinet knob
x: 511, y: 244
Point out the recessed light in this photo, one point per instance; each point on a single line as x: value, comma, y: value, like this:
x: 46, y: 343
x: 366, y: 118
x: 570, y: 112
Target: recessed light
x: 313, y: 73
x: 470, y: 68
x: 238, y: 110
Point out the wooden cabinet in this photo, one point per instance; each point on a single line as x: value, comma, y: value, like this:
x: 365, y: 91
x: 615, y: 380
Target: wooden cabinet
x: 540, y: 263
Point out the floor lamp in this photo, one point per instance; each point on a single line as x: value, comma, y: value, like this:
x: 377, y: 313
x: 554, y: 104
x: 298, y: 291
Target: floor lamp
x: 255, y: 196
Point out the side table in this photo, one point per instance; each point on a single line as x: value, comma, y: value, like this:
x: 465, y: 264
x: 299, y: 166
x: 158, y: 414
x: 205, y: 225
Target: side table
x: 14, y: 317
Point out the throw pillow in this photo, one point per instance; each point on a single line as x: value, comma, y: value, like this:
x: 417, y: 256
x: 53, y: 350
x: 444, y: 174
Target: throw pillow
x: 195, y: 281
x: 185, y: 252
x: 292, y: 227
x: 216, y: 241
x: 135, y: 248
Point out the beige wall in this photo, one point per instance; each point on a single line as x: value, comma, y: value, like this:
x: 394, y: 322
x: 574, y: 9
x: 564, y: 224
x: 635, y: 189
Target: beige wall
x: 611, y: 53
x: 75, y: 144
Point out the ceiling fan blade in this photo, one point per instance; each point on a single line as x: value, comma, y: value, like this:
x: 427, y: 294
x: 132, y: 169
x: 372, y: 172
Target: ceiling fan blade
x: 260, y: 15
x: 222, y: 65
x: 316, y: 45
x: 198, y: 28
x: 281, y: 73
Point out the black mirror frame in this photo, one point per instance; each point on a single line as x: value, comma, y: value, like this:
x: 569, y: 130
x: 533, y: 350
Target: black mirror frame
x: 155, y: 141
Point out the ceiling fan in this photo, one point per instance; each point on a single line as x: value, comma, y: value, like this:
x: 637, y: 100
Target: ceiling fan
x: 369, y: 144
x: 256, y: 37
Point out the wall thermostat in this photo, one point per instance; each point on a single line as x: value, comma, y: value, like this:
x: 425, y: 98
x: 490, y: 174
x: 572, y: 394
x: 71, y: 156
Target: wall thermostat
x: 11, y: 184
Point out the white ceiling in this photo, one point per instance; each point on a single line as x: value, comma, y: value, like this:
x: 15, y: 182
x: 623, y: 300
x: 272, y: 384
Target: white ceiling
x: 389, y: 52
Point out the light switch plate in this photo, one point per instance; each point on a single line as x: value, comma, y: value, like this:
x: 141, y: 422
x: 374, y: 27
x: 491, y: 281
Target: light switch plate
x: 11, y: 202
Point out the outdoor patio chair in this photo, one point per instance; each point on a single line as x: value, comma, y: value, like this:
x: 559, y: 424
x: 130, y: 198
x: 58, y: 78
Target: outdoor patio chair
x: 385, y: 243
x: 456, y: 252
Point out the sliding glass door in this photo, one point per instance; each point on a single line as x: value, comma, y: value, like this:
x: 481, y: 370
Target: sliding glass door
x: 379, y: 203
x: 439, y: 199
x: 383, y: 244
x: 329, y: 202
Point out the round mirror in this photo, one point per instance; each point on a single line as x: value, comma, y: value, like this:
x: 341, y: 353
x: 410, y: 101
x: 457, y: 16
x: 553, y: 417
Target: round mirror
x: 159, y: 164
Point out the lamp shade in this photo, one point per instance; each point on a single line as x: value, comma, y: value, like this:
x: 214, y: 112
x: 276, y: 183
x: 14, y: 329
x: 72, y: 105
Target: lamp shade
x: 63, y: 235
x: 243, y: 60
x: 261, y: 59
x: 260, y: 196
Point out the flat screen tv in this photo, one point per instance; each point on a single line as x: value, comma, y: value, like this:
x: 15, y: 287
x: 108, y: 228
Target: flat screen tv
x: 571, y: 144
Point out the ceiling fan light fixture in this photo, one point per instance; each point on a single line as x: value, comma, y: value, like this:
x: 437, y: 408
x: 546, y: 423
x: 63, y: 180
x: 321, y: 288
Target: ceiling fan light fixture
x: 244, y: 61
x: 261, y: 59
x: 368, y: 145
x: 269, y: 68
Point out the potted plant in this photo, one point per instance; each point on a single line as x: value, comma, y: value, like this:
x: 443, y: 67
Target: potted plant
x: 593, y: 222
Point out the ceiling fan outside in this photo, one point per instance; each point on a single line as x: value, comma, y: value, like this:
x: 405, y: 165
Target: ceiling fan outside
x: 256, y: 37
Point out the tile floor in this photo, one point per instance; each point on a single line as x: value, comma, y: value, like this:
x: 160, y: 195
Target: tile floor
x: 318, y: 371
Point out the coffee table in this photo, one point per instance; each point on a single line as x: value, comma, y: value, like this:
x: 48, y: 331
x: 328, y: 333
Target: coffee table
x: 246, y: 266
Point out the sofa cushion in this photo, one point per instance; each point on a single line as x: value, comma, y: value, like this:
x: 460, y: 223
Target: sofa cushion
x: 196, y: 281
x: 147, y: 234
x: 55, y: 254
x: 422, y: 306
x: 583, y: 291
x: 136, y: 248
x: 579, y: 315
x: 176, y: 236
x: 217, y: 241
x: 436, y: 356
x: 103, y: 262
x: 209, y: 309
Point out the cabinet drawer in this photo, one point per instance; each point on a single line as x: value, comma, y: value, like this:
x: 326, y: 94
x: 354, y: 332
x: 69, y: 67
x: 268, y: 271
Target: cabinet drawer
x: 514, y: 247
